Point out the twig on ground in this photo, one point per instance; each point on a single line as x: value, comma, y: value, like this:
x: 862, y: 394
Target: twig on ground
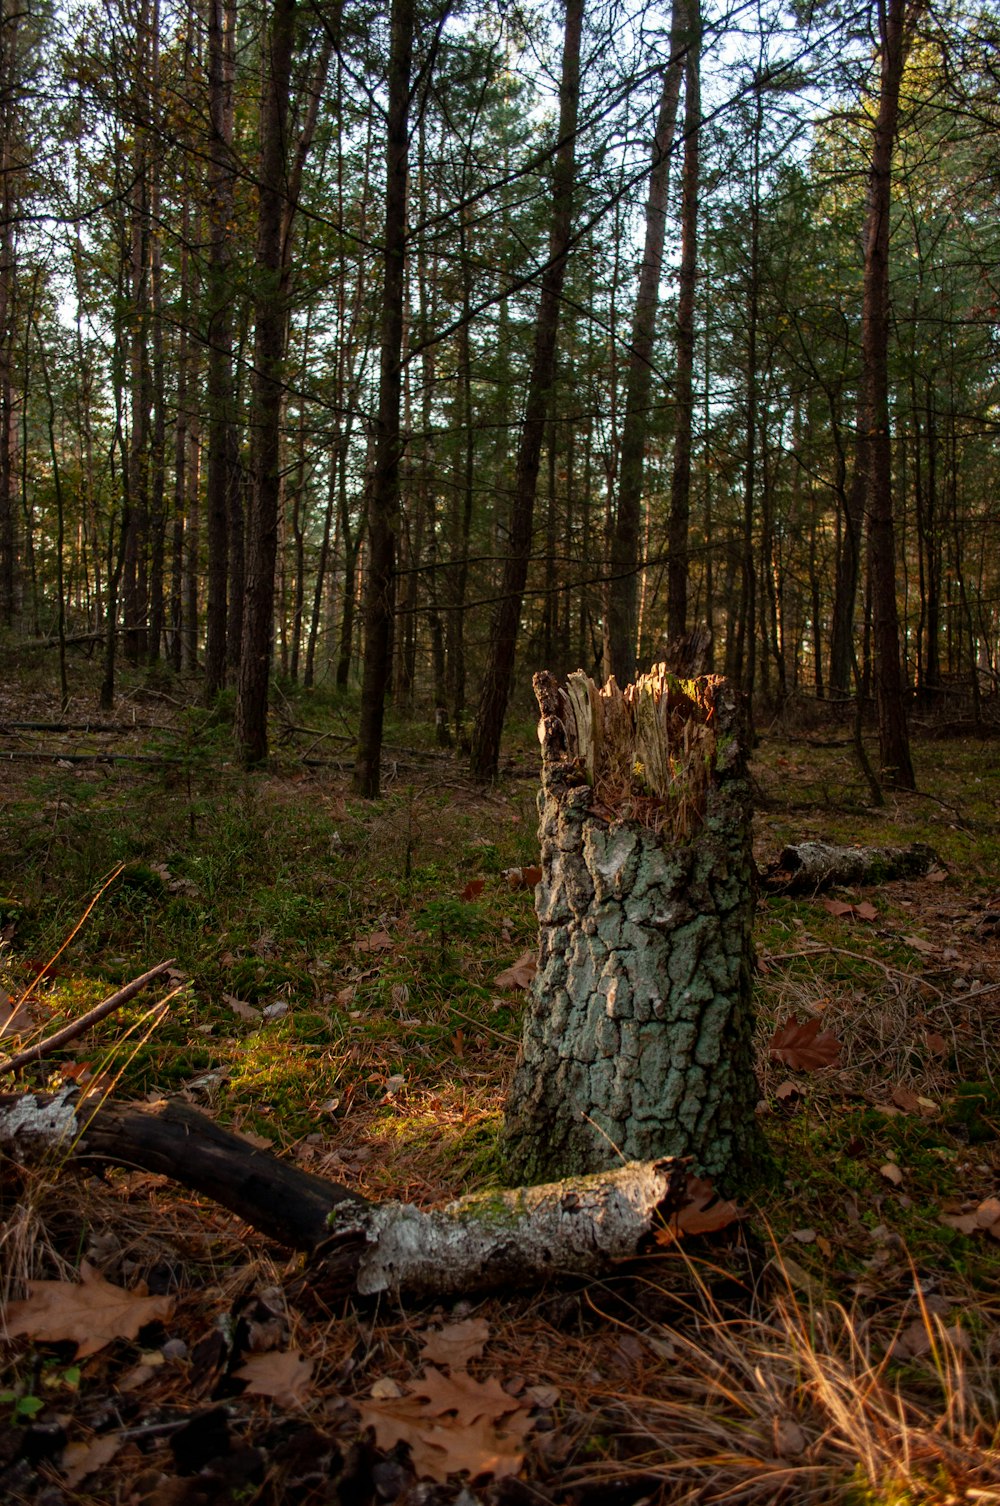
x: 78, y: 1027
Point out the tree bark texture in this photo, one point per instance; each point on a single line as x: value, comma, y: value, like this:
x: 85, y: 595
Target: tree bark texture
x: 873, y: 456
x: 222, y: 462
x: 622, y: 614
x: 637, y: 1041
x: 680, y: 480
x: 499, y: 676
x: 269, y: 353
x: 808, y: 867
x: 484, y: 1241
x: 383, y: 512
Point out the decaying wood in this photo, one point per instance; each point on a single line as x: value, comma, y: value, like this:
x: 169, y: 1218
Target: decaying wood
x: 485, y: 1241
x: 78, y: 1027
x: 808, y: 867
x: 638, y: 1038
x: 172, y: 1139
x: 488, y: 1241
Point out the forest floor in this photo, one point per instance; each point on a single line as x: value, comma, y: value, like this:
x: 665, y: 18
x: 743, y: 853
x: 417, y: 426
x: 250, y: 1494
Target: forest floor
x: 337, y: 969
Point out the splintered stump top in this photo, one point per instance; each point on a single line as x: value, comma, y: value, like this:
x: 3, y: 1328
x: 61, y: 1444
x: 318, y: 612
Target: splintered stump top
x: 637, y: 1041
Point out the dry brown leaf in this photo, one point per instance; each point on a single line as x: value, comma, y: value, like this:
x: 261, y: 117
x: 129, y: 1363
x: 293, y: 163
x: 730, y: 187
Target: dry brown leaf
x: 15, y: 1019
x: 284, y: 1376
x: 441, y: 1444
x: 988, y: 1212
x: 906, y: 1099
x: 935, y: 1043
x: 91, y: 1312
x: 242, y: 1009
x: 521, y: 974
x: 478, y: 1450
x: 473, y: 890
x: 789, y: 1439
x: 788, y: 1089
x: 891, y: 1172
x: 965, y: 1223
x: 456, y: 1344
x: 804, y: 1047
x: 378, y: 941
x: 919, y: 944
x: 82, y: 1459
x: 911, y: 1342
x: 837, y: 907
x: 866, y: 910
x: 804, y: 1236
x: 462, y: 1394
x: 986, y: 1217
x: 702, y: 1212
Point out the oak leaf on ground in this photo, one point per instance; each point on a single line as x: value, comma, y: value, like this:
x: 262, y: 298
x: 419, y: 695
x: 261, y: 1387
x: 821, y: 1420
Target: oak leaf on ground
x: 452, y: 1424
x: 82, y: 1459
x: 91, y: 1312
x: 702, y: 1212
x: 984, y: 1217
x: 804, y: 1046
x: 520, y: 974
x: 284, y: 1375
x: 456, y: 1344
x: 15, y: 1019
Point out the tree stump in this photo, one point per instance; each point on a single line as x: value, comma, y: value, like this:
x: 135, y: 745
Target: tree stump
x: 637, y: 1041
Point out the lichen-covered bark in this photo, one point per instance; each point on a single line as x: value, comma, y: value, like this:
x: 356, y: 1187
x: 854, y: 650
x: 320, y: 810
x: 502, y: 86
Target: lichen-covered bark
x: 637, y: 1041
x: 808, y: 867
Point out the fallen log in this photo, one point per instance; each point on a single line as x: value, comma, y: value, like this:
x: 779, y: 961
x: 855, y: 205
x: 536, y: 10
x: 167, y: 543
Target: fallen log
x: 808, y: 867
x: 580, y: 1226
x: 172, y: 1139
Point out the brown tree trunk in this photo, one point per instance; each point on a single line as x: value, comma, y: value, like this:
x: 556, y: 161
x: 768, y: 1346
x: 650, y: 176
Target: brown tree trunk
x: 638, y: 1037
x: 10, y: 16
x: 680, y: 483
x: 498, y: 679
x: 622, y: 612
x: 269, y: 351
x: 384, y: 503
x: 873, y: 452
x: 221, y: 466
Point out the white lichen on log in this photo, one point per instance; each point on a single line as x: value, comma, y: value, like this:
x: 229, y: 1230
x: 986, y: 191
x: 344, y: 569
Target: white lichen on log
x: 579, y: 1226
x: 808, y: 867
x: 637, y: 1040
x: 30, y: 1124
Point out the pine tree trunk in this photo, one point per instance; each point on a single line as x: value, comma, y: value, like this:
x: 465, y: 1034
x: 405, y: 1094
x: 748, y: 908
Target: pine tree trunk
x: 383, y: 510
x: 622, y: 609
x: 499, y: 676
x: 680, y: 482
x: 873, y: 454
x: 269, y: 352
x: 637, y: 1041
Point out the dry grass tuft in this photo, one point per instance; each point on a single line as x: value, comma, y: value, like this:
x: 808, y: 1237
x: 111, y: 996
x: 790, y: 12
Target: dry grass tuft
x: 794, y: 1403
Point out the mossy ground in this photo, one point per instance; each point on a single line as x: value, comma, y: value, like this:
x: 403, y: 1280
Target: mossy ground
x: 383, y: 1046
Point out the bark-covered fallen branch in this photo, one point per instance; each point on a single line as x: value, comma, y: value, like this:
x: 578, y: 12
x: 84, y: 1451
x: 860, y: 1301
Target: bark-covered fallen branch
x: 579, y: 1226
x: 808, y: 867
x: 80, y: 1026
x: 287, y: 1204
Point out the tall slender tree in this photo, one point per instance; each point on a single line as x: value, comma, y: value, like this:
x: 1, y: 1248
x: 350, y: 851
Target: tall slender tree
x: 873, y: 445
x: 622, y: 609
x: 498, y: 678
